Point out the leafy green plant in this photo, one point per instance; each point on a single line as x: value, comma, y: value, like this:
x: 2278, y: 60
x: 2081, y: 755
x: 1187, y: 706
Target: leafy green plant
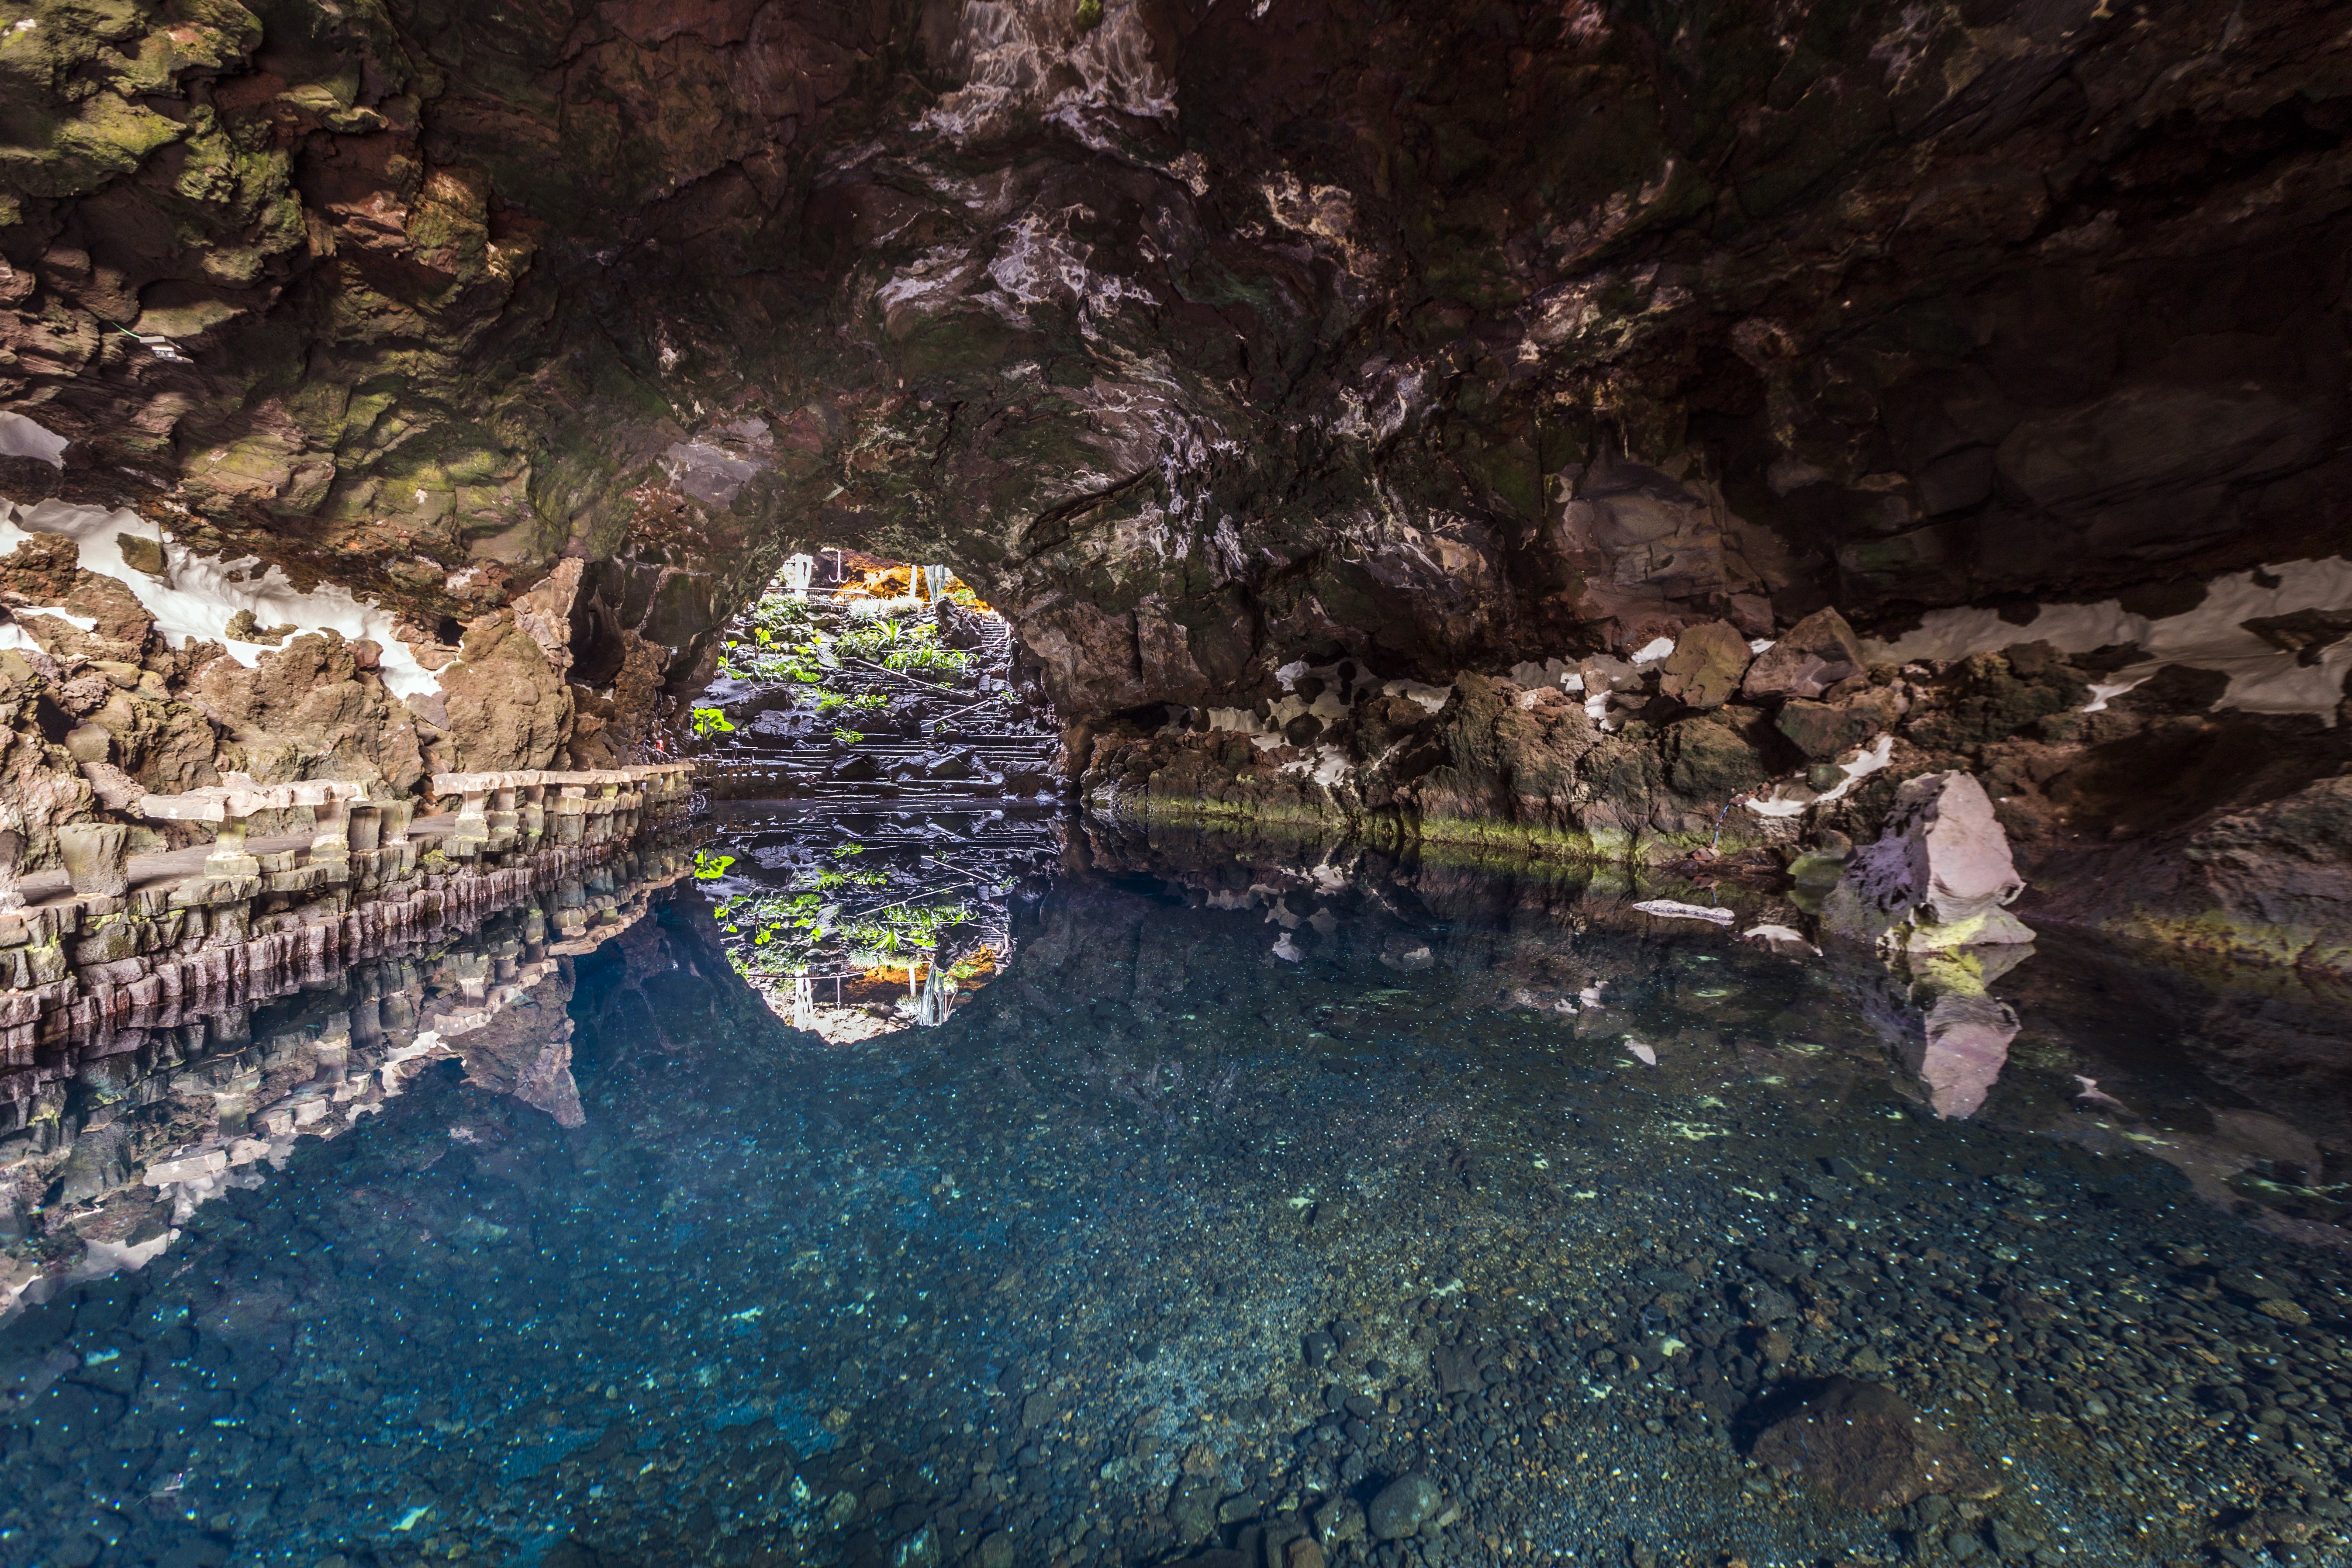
x: 709, y: 722
x: 709, y: 868
x: 907, y: 925
x: 866, y: 702
x: 927, y: 657
x: 870, y: 640
x: 847, y: 737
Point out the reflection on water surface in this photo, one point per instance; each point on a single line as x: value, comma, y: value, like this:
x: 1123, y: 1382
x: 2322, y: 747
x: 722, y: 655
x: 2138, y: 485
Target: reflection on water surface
x: 1259, y: 1200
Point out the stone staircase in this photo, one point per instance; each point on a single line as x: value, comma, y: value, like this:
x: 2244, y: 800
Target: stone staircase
x: 936, y: 742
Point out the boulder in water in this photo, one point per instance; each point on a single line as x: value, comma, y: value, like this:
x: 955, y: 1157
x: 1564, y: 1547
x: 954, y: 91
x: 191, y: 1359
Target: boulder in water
x: 1938, y: 877
x: 1860, y: 1444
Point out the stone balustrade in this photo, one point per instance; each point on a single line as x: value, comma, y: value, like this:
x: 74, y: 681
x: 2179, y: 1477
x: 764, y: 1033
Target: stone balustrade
x: 228, y: 804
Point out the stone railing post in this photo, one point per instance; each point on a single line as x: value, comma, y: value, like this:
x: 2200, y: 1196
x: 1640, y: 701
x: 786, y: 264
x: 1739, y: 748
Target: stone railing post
x: 533, y: 814
x: 330, y: 837
x: 97, y: 858
x: 228, y: 858
x: 571, y: 812
x: 502, y: 818
x: 473, y: 830
x: 12, y: 862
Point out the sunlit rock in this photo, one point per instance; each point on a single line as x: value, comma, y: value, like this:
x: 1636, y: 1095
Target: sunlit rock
x: 1938, y: 878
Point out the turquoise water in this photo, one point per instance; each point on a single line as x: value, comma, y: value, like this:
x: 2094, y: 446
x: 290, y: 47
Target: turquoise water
x: 1252, y: 1185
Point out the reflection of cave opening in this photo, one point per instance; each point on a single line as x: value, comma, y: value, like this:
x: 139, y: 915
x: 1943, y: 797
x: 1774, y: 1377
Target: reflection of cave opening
x: 883, y: 765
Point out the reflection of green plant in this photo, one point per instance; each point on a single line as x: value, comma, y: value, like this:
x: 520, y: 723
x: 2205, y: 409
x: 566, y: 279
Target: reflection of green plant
x: 908, y: 925
x: 848, y: 850
x: 826, y: 882
x: 709, y: 721
x: 847, y: 737
x: 709, y: 867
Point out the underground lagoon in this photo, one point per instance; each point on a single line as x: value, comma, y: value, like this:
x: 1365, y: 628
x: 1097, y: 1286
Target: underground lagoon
x: 1107, y: 783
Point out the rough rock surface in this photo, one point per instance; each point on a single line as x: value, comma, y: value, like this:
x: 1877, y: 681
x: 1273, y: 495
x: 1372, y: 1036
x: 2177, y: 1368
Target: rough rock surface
x: 1816, y: 654
x: 1200, y: 338
x: 1940, y: 877
x: 307, y: 711
x: 1860, y: 1444
x: 1707, y: 665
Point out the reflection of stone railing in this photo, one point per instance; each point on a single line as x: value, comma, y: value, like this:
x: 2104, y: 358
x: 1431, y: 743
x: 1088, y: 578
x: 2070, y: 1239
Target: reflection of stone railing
x: 178, y: 1102
x: 501, y: 811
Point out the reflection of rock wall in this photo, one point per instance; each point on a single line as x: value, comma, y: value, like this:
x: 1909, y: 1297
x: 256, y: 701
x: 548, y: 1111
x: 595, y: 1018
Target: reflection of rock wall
x: 112, y: 1135
x: 1564, y: 942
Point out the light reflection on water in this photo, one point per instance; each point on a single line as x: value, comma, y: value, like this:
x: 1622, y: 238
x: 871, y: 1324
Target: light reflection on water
x: 1253, y: 1182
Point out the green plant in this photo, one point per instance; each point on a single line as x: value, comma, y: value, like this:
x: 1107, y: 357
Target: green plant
x: 847, y: 737
x: 1090, y: 15
x: 870, y: 640
x: 709, y: 868
x: 907, y: 925
x: 708, y: 722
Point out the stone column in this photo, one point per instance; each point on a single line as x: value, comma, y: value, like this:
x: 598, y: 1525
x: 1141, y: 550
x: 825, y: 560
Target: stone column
x: 228, y: 858
x: 473, y: 830
x: 533, y: 814
x: 330, y: 837
x: 367, y: 828
x: 570, y: 815
x: 502, y: 819
x: 12, y: 860
x: 97, y: 858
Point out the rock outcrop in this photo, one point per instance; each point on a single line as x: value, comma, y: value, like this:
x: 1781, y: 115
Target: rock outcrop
x: 1940, y: 877
x: 1859, y: 1443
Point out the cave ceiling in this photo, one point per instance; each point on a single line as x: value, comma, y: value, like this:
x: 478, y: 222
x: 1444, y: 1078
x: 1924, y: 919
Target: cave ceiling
x: 1200, y: 338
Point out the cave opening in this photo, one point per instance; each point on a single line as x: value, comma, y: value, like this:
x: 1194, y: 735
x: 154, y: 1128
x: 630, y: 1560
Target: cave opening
x: 883, y: 771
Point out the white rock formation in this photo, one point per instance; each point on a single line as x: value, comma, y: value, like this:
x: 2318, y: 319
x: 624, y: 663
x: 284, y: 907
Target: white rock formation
x: 1938, y: 878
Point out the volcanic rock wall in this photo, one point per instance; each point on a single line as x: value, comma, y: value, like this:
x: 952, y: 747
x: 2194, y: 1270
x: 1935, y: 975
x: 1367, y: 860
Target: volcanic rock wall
x: 1202, y: 340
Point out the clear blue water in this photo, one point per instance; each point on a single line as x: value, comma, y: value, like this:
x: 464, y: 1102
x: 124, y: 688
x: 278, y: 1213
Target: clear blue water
x: 1254, y: 1181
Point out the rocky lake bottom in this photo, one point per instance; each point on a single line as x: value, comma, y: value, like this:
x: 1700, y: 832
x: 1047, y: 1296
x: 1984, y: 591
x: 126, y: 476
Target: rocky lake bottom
x: 1267, y: 1206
